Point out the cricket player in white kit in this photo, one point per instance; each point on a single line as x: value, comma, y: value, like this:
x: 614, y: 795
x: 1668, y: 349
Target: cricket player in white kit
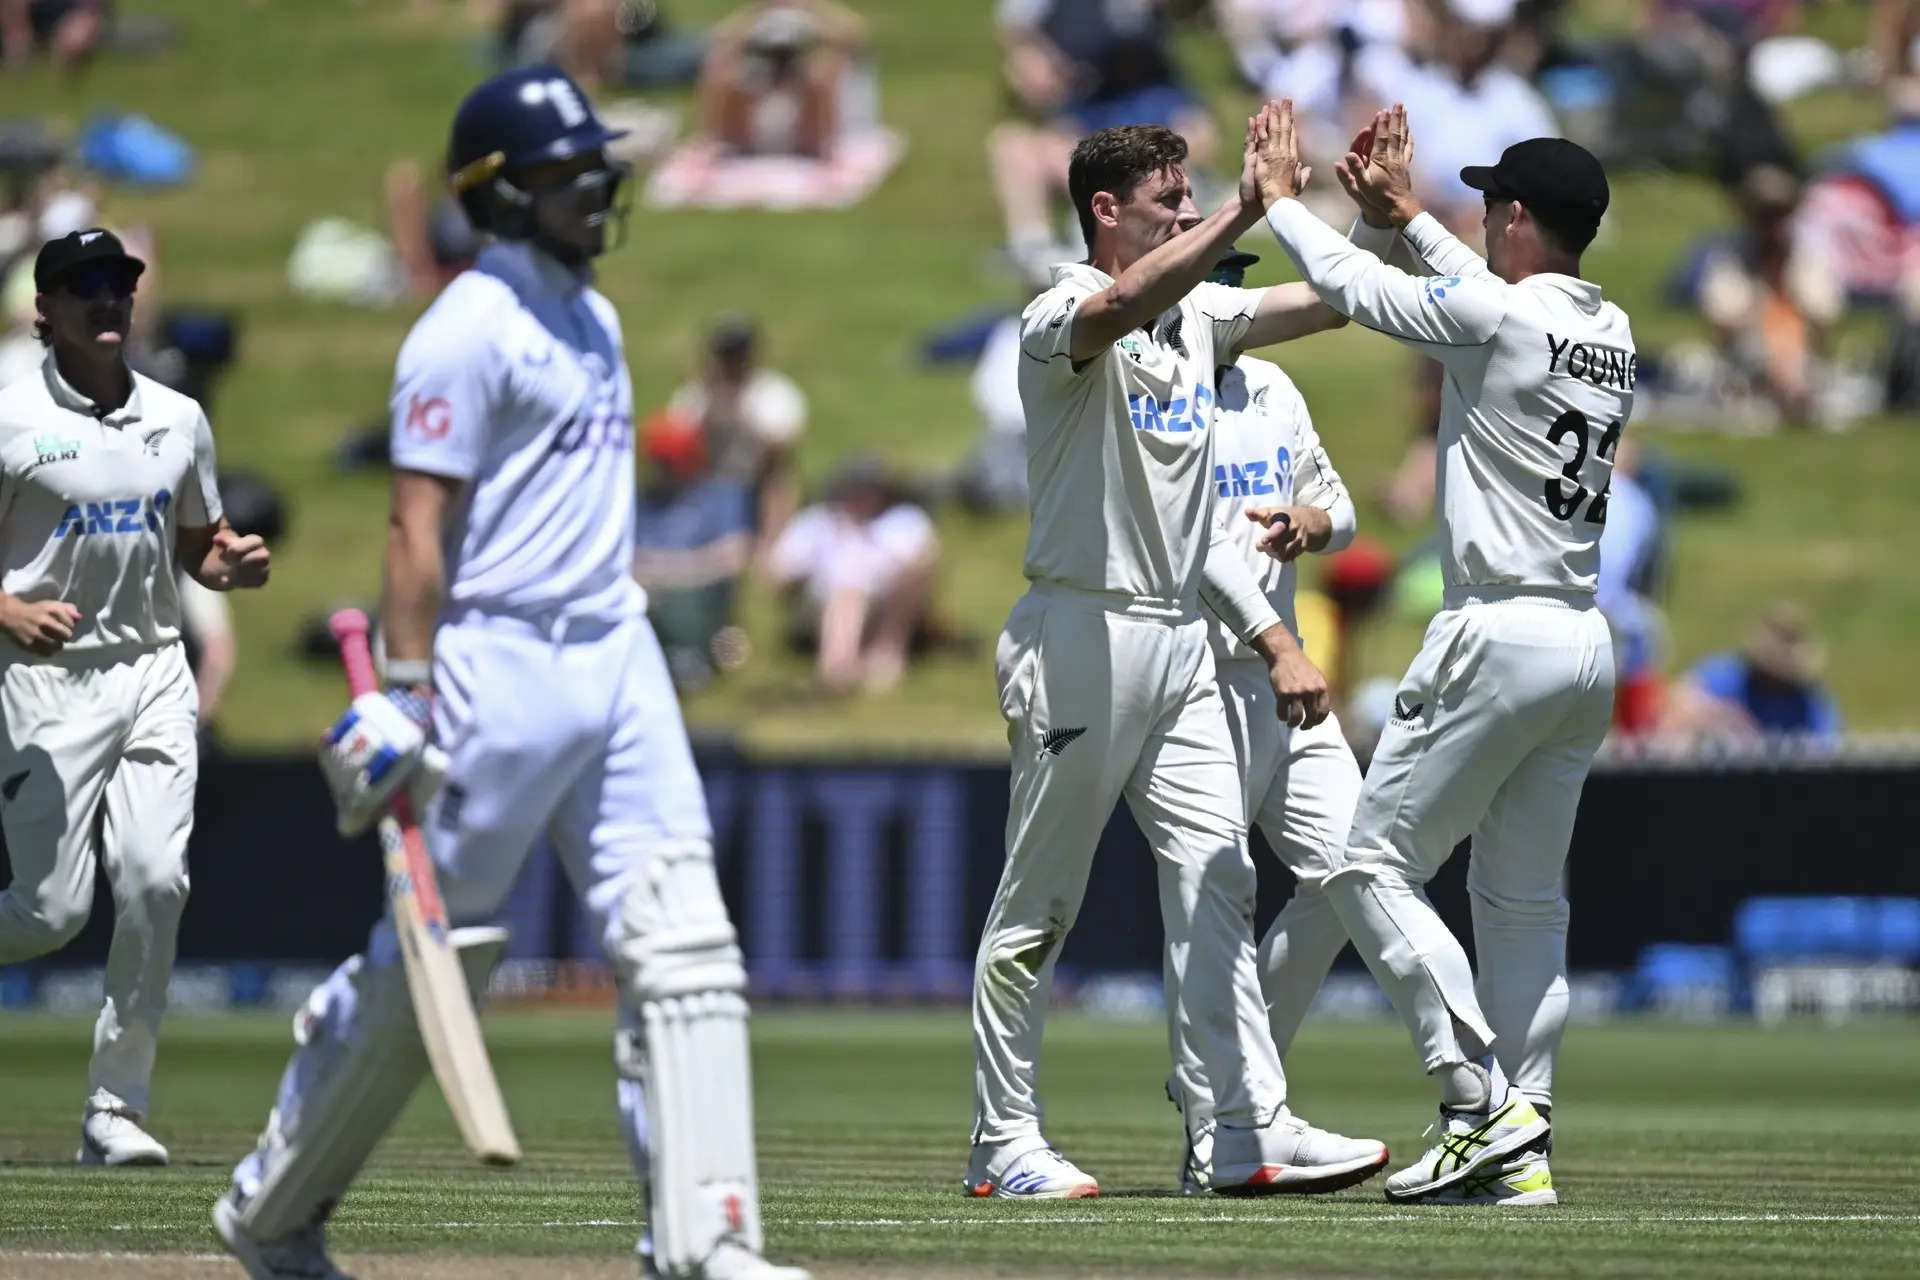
x: 106, y: 483
x: 1300, y: 784
x: 512, y: 624
x: 1497, y: 721
x: 1107, y: 683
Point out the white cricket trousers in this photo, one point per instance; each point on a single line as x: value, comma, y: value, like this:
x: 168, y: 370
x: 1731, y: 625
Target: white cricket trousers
x: 1108, y: 697
x: 1494, y: 729
x: 97, y: 769
x: 1301, y: 787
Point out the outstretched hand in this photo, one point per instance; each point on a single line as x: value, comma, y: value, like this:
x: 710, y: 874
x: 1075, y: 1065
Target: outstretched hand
x: 1273, y: 144
x: 1377, y: 171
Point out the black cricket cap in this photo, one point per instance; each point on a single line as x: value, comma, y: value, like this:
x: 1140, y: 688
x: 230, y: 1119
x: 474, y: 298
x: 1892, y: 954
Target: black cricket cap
x: 60, y: 258
x: 1552, y: 175
x: 1232, y: 267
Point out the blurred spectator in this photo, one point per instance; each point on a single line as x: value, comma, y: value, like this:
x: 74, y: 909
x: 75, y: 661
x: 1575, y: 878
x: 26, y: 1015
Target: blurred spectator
x: 775, y: 75
x: 1771, y: 687
x: 206, y: 619
x: 1771, y: 301
x: 1683, y: 91
x: 1073, y: 67
x: 994, y: 476
x: 620, y: 42
x: 67, y: 31
x: 1772, y: 296
x: 860, y: 566
x: 693, y: 532
x: 1862, y: 215
x: 434, y: 242
x: 752, y: 417
x: 1467, y: 106
x: 1632, y: 555
x: 1337, y: 61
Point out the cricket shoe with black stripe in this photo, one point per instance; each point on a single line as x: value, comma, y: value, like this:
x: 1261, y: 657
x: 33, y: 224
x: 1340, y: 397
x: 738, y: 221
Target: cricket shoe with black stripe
x: 1521, y: 1180
x: 1288, y: 1156
x: 1469, y: 1142
x: 1026, y: 1171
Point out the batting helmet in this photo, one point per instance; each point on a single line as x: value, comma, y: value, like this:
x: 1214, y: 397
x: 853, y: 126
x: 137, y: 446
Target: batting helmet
x: 517, y: 119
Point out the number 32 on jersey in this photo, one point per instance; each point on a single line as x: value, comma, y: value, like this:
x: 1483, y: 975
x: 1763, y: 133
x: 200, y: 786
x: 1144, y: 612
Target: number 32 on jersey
x: 1566, y: 504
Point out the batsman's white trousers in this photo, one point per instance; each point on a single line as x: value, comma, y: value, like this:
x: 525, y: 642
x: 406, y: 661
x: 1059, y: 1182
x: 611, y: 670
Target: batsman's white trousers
x: 97, y: 769
x: 1494, y: 730
x: 1108, y: 697
x: 1301, y: 786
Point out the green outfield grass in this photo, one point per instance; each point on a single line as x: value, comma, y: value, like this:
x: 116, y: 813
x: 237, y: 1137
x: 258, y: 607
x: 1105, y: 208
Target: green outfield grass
x: 1681, y: 1150
x: 297, y: 107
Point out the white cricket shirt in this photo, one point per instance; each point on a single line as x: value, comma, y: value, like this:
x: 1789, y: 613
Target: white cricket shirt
x: 1267, y: 454
x: 1120, y: 449
x: 515, y: 381
x: 91, y: 501
x: 1539, y: 383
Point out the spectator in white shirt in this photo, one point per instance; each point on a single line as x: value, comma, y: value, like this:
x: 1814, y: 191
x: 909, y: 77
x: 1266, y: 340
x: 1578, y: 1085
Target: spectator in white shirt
x: 861, y: 565
x: 753, y: 418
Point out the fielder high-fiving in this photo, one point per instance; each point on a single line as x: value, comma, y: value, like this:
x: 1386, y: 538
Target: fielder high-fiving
x: 1496, y: 723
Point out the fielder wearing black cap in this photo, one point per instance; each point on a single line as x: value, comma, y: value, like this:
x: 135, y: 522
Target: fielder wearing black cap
x: 78, y: 251
x: 84, y: 283
x: 1560, y: 181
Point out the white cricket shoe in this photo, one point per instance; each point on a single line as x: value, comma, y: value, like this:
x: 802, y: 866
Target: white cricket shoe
x: 1022, y: 1170
x: 1470, y: 1141
x: 111, y: 1134
x: 1520, y: 1181
x: 299, y: 1255
x: 1288, y: 1156
x: 730, y: 1261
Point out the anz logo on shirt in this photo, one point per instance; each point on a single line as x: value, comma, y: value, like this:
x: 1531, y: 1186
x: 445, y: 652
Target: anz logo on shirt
x: 1180, y: 414
x: 1256, y: 477
x: 127, y: 515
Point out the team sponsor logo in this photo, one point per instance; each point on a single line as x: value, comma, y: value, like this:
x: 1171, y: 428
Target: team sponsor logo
x: 118, y: 517
x: 1437, y: 287
x: 429, y: 417
x: 1407, y: 713
x: 1149, y: 413
x: 1255, y: 477
x: 48, y: 449
x: 599, y: 429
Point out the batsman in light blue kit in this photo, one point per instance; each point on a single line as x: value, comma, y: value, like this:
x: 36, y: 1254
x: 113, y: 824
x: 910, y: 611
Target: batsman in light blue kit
x: 526, y: 695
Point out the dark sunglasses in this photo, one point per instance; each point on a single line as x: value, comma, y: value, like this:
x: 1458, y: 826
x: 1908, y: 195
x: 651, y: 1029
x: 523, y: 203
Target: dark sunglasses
x: 90, y: 282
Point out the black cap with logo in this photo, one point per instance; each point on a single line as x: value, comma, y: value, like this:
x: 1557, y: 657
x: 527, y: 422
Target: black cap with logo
x: 69, y: 253
x: 1552, y: 175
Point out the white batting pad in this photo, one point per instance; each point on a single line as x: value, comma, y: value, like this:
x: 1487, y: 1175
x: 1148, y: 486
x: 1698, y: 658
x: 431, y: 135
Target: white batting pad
x: 682, y: 967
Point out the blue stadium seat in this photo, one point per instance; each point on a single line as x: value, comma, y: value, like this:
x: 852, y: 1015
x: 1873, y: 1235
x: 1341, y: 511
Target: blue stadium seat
x: 1780, y: 930
x: 1680, y: 977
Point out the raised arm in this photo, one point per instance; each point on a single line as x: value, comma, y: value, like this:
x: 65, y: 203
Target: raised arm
x: 1286, y: 312
x: 1159, y: 280
x: 1431, y: 312
x: 1377, y: 175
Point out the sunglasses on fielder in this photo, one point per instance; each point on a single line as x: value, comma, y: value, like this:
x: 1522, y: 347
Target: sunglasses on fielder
x: 109, y: 278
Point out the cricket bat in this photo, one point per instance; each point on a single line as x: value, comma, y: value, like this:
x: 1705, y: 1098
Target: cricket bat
x: 442, y: 1004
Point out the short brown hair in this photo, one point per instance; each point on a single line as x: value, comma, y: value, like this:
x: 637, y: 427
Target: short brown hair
x: 1117, y: 160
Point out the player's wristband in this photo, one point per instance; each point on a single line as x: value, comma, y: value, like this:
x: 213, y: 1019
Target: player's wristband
x: 409, y: 671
